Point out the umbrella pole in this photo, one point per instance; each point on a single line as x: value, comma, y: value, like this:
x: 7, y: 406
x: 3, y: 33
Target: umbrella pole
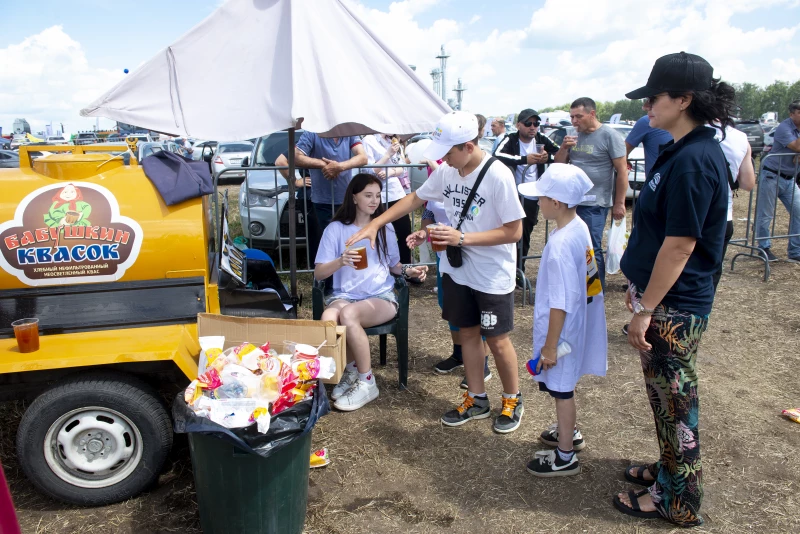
x: 292, y: 219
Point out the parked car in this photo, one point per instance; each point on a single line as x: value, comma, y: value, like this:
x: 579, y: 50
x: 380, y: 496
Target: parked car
x: 263, y: 205
x: 204, y: 150
x: 636, y: 172
x: 56, y: 140
x: 87, y: 138
x: 230, y: 154
x: 755, y: 135
x: 5, y: 144
x: 9, y: 159
x: 149, y: 148
x: 769, y: 139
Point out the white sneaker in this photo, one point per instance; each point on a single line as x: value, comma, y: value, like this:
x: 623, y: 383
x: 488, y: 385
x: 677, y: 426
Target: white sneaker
x: 357, y: 396
x: 348, y: 380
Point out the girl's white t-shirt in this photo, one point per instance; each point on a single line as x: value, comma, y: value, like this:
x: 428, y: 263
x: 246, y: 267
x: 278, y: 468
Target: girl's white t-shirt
x: 568, y: 280
x: 490, y: 269
x: 349, y: 282
x: 375, y: 146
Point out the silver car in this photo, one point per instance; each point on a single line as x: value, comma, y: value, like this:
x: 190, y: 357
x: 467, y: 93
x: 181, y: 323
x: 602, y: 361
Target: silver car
x: 263, y: 206
x: 230, y: 154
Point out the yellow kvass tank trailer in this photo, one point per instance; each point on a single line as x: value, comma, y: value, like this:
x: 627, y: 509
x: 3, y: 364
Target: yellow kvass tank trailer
x: 116, y: 278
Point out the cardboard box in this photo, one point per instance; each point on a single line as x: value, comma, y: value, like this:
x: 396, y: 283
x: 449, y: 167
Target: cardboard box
x: 259, y: 330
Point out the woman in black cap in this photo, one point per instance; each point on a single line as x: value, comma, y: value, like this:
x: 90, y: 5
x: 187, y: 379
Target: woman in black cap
x: 674, y: 249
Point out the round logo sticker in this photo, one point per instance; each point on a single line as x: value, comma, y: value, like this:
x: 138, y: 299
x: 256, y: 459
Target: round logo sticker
x: 475, y: 210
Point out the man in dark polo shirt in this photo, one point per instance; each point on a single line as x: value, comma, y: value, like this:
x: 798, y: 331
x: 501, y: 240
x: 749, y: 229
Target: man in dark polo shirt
x: 778, y: 181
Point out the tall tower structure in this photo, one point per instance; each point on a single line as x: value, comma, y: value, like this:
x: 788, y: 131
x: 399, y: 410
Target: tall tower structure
x: 442, y: 57
x: 459, y: 91
x: 436, y: 74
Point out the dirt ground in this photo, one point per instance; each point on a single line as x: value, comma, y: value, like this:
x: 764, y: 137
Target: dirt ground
x: 397, y: 469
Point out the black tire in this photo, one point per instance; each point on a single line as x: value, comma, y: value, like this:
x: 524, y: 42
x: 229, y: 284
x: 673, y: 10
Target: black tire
x: 121, y: 393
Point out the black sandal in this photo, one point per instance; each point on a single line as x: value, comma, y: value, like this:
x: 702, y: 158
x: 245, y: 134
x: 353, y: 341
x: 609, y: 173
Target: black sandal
x: 634, y: 509
x: 638, y: 478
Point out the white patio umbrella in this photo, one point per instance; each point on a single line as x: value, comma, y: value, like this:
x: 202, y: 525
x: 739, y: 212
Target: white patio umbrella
x: 254, y: 67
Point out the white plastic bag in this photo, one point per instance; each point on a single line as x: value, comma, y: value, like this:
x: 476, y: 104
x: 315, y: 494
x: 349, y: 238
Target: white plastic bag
x: 617, y: 241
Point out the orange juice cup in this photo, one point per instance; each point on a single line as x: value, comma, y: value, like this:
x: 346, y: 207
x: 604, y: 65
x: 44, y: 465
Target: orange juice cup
x: 362, y: 263
x: 435, y: 247
x: 27, y: 333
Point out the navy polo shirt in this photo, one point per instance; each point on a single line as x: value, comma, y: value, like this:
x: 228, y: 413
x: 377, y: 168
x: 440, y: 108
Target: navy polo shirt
x: 685, y: 195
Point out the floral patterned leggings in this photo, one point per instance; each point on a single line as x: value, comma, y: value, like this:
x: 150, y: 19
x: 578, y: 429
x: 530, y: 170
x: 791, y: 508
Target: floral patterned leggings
x: 671, y: 382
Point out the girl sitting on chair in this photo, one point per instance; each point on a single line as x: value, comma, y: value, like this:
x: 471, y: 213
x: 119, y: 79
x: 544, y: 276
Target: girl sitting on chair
x: 363, y: 286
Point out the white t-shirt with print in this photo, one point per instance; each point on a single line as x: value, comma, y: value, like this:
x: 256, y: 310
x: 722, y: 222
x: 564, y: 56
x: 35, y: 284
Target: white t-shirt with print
x: 526, y: 173
x: 490, y: 269
x: 567, y: 279
x: 375, y: 147
x: 349, y: 282
x: 734, y: 146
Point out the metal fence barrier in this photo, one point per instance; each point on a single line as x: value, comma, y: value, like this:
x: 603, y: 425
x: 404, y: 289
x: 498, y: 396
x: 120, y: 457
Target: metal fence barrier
x: 271, y: 191
x: 764, y: 194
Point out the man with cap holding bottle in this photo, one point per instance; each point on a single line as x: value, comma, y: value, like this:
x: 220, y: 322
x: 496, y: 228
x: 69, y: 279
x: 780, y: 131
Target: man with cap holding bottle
x: 519, y: 152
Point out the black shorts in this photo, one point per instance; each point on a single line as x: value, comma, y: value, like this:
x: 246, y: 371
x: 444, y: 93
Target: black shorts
x: 563, y: 395
x: 465, y: 307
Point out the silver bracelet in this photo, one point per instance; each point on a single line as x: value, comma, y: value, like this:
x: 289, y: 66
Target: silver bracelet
x: 404, y: 269
x: 461, y: 241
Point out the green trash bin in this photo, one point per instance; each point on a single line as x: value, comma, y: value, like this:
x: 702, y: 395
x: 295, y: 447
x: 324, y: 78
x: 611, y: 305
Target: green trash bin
x: 239, y: 492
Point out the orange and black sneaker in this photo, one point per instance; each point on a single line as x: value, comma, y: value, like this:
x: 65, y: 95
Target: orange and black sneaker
x: 471, y: 408
x: 510, y: 416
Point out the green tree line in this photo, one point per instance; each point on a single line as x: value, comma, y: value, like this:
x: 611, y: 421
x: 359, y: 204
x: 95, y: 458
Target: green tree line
x: 753, y: 101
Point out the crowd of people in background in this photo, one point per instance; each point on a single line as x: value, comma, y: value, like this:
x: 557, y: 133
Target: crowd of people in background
x: 479, y: 207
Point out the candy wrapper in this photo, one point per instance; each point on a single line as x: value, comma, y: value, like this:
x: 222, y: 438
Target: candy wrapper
x: 261, y: 417
x: 321, y: 367
x: 210, y: 349
x: 320, y: 458
x: 210, y: 379
x: 793, y: 414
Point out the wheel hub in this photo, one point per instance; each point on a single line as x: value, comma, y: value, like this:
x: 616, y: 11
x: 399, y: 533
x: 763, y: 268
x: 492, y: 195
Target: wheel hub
x: 93, y: 447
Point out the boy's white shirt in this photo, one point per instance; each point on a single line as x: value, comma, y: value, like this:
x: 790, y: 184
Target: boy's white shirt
x: 489, y: 269
x: 567, y: 277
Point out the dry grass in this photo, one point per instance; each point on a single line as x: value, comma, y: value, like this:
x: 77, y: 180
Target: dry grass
x: 396, y: 469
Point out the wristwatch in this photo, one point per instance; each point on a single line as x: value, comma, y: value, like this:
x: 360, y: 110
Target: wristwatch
x: 638, y: 309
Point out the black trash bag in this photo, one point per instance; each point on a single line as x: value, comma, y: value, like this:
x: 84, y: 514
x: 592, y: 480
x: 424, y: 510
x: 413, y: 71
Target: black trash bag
x: 284, y: 428
x: 177, y: 178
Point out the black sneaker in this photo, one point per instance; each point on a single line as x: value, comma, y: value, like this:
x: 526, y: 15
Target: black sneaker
x: 768, y: 253
x: 471, y: 408
x: 447, y: 365
x: 793, y: 259
x: 487, y: 374
x: 550, y: 464
x: 625, y: 329
x: 550, y: 437
x: 510, y: 416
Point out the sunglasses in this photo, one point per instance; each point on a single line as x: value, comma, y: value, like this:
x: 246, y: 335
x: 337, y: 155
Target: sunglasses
x: 650, y: 100
x: 531, y: 123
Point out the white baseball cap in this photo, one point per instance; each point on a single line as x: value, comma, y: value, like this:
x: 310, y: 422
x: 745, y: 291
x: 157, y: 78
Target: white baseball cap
x: 563, y: 182
x: 453, y: 129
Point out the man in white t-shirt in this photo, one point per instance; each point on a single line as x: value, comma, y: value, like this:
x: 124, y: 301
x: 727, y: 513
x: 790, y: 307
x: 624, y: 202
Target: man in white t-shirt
x: 381, y: 150
x: 478, y: 295
x: 737, y: 151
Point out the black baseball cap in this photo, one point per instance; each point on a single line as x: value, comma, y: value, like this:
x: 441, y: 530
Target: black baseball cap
x: 526, y: 114
x: 680, y: 72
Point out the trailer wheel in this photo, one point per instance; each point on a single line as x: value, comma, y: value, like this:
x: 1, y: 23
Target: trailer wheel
x: 94, y: 440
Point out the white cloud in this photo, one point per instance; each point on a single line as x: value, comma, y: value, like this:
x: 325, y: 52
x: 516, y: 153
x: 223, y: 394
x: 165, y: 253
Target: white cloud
x: 47, y: 78
x: 474, y: 19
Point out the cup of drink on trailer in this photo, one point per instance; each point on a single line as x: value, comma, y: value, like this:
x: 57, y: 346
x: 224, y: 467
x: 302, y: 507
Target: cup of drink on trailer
x: 27, y: 333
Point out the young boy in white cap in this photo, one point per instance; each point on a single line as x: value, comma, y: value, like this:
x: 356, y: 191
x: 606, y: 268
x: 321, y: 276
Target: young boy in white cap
x: 569, y: 321
x: 479, y: 294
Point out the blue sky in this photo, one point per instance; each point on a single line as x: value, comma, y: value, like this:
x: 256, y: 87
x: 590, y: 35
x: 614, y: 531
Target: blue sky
x: 57, y: 56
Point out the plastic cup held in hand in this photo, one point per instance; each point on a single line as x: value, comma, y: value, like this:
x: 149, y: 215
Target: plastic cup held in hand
x: 434, y: 246
x: 27, y: 333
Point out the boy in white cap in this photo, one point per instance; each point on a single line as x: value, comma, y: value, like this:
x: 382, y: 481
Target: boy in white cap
x: 569, y: 321
x: 478, y: 294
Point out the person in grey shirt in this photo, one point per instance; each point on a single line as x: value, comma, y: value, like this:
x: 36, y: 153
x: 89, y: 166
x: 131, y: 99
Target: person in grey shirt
x: 599, y: 151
